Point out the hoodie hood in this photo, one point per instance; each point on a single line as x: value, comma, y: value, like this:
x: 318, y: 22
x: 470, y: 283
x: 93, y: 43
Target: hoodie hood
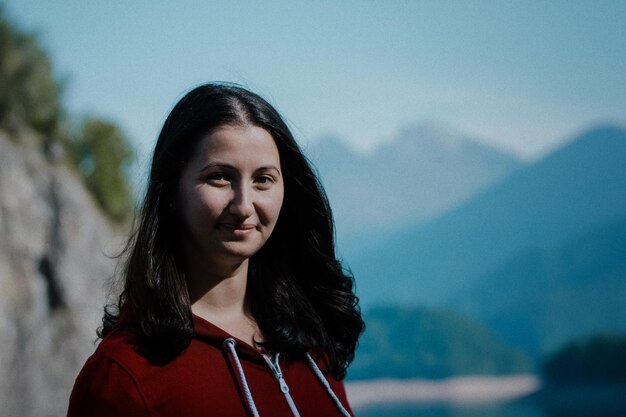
x: 207, y: 332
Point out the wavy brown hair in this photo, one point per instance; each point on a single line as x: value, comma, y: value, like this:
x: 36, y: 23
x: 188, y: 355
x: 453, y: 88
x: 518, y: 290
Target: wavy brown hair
x: 298, y: 293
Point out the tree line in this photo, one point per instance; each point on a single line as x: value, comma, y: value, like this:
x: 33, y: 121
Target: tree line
x: 31, y: 98
x: 597, y: 359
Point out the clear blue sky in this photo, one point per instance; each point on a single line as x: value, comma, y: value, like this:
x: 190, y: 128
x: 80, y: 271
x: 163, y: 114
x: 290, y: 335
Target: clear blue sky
x: 522, y: 75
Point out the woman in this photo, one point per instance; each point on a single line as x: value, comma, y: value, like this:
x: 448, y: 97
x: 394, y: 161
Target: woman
x: 234, y: 303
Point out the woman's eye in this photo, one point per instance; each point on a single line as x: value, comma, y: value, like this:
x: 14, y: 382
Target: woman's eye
x: 218, y: 178
x: 265, y: 180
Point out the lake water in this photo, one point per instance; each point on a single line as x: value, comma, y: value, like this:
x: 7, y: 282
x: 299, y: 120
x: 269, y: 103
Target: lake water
x: 517, y: 396
x: 516, y: 409
x: 443, y: 410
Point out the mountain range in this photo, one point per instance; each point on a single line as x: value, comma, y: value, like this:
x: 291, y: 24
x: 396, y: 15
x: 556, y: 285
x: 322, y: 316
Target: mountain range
x: 539, y: 206
x: 424, y: 171
x: 543, y: 298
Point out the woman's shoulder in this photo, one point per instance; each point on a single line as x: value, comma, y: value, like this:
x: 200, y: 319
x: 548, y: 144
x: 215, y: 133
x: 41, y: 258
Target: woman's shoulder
x: 122, y: 346
x: 113, y: 377
x: 106, y: 384
x: 141, y: 359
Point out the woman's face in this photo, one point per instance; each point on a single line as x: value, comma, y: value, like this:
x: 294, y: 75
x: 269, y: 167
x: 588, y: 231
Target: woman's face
x: 230, y: 194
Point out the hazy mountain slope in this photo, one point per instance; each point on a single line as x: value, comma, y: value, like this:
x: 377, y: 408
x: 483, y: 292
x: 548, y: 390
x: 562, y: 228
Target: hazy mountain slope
x: 544, y: 298
x: 542, y: 205
x: 423, y: 172
x: 415, y: 342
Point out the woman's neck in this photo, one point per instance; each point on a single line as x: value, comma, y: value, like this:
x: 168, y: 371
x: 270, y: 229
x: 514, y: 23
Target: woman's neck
x: 218, y: 295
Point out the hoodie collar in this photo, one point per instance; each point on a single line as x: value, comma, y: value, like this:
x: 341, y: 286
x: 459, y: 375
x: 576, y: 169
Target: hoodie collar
x: 214, y: 335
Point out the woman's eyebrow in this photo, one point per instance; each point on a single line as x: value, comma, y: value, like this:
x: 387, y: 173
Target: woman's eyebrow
x: 269, y: 168
x: 221, y: 165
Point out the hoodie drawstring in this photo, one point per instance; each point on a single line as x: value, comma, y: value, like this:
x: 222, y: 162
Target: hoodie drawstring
x: 230, y: 344
x: 325, y: 384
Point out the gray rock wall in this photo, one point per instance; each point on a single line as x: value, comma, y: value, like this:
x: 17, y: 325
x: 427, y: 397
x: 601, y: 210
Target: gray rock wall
x: 55, y: 272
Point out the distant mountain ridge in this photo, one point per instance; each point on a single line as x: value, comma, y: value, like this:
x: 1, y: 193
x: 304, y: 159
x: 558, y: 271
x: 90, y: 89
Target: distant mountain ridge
x: 544, y: 298
x: 542, y: 205
x: 424, y: 171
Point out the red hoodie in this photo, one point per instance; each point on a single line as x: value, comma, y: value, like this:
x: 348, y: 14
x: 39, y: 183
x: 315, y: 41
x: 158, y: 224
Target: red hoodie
x: 204, y: 380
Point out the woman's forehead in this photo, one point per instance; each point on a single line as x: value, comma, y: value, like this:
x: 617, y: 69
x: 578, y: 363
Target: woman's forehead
x: 237, y: 144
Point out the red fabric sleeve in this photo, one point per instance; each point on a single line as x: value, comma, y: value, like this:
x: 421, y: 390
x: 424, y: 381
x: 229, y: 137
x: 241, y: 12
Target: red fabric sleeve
x: 104, y: 388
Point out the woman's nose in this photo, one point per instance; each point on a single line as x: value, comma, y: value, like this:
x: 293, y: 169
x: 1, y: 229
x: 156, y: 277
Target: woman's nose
x: 241, y: 204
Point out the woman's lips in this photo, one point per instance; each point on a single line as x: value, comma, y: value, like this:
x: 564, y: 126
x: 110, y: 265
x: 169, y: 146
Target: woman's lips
x: 239, y: 229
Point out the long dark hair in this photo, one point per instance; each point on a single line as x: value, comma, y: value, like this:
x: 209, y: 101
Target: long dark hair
x: 298, y: 292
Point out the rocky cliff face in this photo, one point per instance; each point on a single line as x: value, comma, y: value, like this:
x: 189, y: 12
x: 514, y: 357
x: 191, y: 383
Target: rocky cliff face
x: 55, y: 271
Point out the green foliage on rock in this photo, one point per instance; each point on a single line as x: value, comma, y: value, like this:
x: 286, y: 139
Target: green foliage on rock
x: 103, y: 155
x: 29, y: 92
x: 598, y: 359
x: 30, y: 96
x: 423, y: 343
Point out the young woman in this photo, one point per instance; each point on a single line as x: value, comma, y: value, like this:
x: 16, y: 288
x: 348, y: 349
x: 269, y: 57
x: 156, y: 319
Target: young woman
x: 234, y: 303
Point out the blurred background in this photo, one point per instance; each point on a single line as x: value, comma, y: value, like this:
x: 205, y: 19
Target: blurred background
x: 474, y: 154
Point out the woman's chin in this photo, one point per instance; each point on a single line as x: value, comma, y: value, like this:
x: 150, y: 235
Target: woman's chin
x: 239, y: 251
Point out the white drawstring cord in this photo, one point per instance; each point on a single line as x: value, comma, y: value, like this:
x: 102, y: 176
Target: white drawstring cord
x: 230, y: 345
x: 324, y: 382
